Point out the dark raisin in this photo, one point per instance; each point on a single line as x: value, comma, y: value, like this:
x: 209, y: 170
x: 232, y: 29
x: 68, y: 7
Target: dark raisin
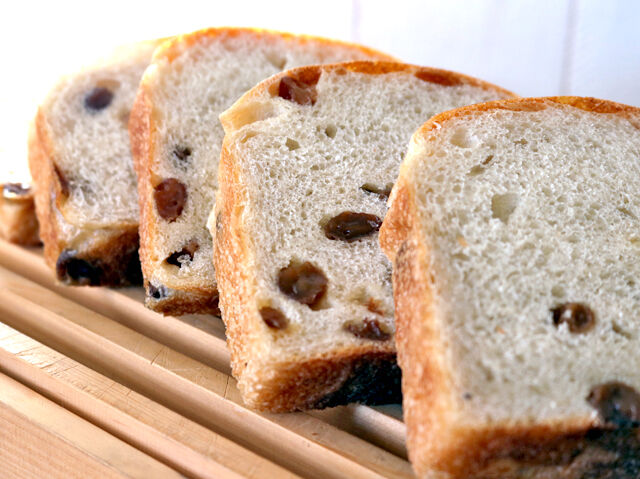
x: 579, y: 318
x: 349, y: 226
x: 13, y: 190
x: 616, y: 403
x: 368, y: 329
x: 274, y: 318
x: 303, y: 282
x: 62, y: 180
x: 189, y: 250
x: 297, y: 91
x: 383, y: 193
x: 170, y: 197
x: 182, y: 153
x: 133, y: 270
x: 77, y: 271
x: 157, y: 292
x: 98, y: 99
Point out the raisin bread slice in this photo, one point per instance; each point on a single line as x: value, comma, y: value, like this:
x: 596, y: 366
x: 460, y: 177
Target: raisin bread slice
x: 176, y: 138
x: 514, y: 228
x: 307, y: 163
x: 18, y: 223
x: 85, y: 185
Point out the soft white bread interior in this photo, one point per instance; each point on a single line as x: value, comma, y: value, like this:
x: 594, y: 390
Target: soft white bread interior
x: 177, y: 136
x: 80, y: 161
x: 515, y: 231
x: 308, y: 159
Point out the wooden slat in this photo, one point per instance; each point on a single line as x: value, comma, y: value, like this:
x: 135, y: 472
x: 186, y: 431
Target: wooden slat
x: 184, y: 334
x: 38, y: 438
x: 300, y: 442
x: 197, y: 336
x: 183, y: 444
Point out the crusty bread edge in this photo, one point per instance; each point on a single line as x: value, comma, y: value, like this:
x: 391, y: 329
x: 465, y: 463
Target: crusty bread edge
x: 435, y: 440
x: 175, y: 46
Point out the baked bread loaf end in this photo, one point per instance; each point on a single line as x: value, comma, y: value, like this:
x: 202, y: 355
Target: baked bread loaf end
x: 514, y: 228
x: 85, y: 185
x: 307, y: 162
x: 18, y: 222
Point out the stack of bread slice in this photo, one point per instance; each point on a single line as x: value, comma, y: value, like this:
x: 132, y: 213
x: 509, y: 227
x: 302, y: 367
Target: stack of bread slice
x: 176, y: 139
x: 512, y: 237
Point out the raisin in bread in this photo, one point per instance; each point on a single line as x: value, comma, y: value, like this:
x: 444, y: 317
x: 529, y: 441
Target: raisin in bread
x: 18, y: 223
x: 176, y: 139
x: 514, y: 228
x: 85, y: 185
x: 307, y: 163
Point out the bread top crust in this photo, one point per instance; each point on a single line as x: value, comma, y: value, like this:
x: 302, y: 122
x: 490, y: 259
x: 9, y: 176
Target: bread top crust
x: 178, y: 45
x: 594, y: 105
x: 310, y: 73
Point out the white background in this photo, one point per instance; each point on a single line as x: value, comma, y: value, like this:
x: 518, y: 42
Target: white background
x: 532, y: 47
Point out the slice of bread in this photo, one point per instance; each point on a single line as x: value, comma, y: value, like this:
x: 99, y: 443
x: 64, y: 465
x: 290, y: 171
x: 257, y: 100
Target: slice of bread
x: 308, y: 160
x: 176, y: 139
x: 18, y: 223
x: 514, y: 228
x: 85, y: 185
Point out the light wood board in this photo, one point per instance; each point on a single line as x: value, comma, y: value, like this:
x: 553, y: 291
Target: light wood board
x: 161, y: 386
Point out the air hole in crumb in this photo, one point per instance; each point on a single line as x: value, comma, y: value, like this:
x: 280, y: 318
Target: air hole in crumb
x: 331, y: 131
x: 503, y: 205
x: 558, y: 291
x: 292, y: 144
x: 621, y: 331
x: 476, y: 170
x: 481, y: 168
x: 278, y: 62
x: 247, y: 136
x: 464, y: 139
x: 521, y: 142
x: 627, y: 212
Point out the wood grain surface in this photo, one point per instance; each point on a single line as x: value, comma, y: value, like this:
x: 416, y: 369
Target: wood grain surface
x: 161, y: 386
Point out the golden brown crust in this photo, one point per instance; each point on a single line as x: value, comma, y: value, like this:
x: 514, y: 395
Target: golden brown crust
x: 365, y: 374
x: 108, y: 255
x: 18, y: 222
x: 310, y: 74
x: 435, y: 439
x: 593, y: 105
x: 174, y: 47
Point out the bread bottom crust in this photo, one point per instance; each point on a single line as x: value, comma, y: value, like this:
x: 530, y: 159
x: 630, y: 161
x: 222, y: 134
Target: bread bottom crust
x: 370, y: 378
